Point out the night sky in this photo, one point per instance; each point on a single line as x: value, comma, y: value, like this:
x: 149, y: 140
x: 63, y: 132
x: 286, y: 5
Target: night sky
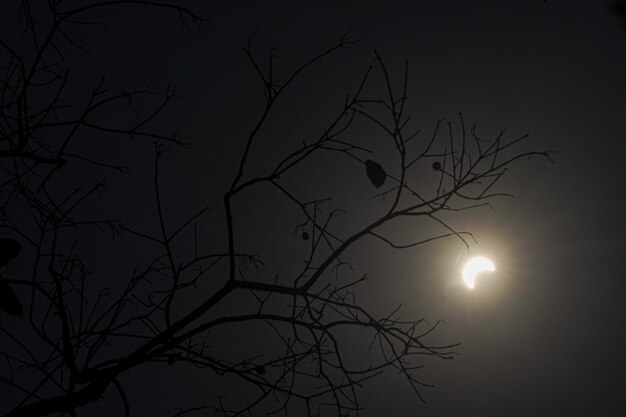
x: 545, y: 334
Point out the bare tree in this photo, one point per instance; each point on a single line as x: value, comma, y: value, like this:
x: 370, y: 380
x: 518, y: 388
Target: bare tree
x: 77, y: 338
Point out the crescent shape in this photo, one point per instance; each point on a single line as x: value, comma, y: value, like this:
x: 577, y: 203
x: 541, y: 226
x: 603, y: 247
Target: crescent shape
x: 474, y: 267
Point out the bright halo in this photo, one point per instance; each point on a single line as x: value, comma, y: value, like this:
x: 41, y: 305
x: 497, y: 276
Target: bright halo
x: 474, y: 267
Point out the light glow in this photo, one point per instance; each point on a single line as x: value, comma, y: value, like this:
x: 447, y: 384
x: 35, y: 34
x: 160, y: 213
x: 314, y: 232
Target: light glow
x: 474, y: 267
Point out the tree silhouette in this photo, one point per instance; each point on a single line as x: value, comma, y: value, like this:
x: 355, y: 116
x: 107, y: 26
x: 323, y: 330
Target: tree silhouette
x: 79, y: 334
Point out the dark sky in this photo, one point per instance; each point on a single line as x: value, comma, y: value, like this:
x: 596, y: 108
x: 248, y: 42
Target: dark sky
x: 546, y: 335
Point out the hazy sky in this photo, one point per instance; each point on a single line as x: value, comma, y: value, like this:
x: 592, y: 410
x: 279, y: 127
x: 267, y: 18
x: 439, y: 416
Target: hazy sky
x: 546, y: 335
x: 548, y: 338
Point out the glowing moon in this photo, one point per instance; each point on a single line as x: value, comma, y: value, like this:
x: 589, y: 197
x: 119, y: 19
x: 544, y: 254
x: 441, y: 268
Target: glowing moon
x: 474, y: 267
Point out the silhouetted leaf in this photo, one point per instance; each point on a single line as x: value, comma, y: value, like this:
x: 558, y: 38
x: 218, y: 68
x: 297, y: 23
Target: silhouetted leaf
x: 260, y: 369
x: 437, y: 166
x: 305, y: 236
x: 9, y: 249
x: 9, y: 303
x: 375, y: 173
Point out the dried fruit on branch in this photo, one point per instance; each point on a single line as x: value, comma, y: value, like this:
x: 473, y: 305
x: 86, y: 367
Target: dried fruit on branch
x: 375, y: 173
